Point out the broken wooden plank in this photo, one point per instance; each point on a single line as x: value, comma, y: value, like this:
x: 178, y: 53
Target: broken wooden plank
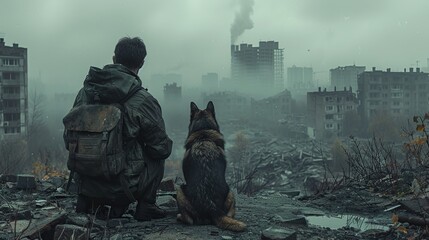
x: 38, y: 227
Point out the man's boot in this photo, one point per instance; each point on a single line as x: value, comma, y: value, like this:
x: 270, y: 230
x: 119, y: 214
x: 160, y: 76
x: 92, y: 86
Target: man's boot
x: 148, y: 211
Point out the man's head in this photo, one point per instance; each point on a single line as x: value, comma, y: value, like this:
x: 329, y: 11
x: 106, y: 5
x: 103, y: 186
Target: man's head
x: 130, y: 52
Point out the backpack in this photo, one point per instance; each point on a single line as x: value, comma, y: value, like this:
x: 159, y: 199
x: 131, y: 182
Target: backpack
x: 96, y: 143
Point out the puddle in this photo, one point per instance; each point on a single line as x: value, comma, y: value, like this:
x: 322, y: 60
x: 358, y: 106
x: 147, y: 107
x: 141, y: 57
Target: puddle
x: 336, y: 222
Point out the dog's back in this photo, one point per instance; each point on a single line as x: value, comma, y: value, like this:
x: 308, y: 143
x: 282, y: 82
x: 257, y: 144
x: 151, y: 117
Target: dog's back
x: 206, y: 198
x: 204, y: 171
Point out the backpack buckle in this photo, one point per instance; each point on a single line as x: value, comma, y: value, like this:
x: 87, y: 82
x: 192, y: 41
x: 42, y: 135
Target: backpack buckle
x: 104, y: 137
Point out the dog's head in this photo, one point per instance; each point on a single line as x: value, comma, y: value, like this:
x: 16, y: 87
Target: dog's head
x: 203, y: 119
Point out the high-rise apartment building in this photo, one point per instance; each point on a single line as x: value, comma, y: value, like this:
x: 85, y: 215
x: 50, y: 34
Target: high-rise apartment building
x: 345, y: 76
x: 13, y: 90
x: 300, y: 81
x: 258, y: 69
x: 400, y: 94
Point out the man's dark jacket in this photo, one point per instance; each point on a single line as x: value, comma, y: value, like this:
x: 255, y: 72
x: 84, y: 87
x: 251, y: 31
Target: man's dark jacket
x: 143, y: 124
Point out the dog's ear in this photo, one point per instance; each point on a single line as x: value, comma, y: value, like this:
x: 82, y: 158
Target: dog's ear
x: 210, y: 108
x: 194, y: 109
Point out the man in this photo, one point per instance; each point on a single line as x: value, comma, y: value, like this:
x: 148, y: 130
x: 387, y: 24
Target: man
x: 147, y: 142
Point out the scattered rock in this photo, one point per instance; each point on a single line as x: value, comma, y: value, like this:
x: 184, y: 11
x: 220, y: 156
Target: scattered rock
x: 167, y: 185
x: 278, y: 234
x: 288, y: 219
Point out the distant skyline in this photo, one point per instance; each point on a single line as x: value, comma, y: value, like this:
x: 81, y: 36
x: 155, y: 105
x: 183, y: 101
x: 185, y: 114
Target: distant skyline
x: 193, y: 37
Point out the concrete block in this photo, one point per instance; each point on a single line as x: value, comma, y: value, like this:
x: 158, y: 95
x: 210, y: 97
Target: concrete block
x: 26, y: 181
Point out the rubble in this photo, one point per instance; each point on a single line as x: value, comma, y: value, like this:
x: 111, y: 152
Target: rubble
x: 278, y: 234
x: 26, y: 181
x: 279, y: 204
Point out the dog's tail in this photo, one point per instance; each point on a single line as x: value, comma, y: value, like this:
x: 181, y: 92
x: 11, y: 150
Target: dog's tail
x: 229, y: 223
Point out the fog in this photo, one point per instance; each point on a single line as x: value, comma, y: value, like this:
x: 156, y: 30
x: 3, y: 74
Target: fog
x: 193, y: 37
x: 190, y: 38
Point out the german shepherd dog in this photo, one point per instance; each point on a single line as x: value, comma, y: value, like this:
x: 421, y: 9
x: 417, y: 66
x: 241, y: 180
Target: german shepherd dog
x: 205, y: 198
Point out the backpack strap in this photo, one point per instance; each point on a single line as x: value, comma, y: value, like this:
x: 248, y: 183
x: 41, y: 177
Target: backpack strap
x: 122, y: 179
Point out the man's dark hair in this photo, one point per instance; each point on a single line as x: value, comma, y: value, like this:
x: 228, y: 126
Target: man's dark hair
x: 130, y: 52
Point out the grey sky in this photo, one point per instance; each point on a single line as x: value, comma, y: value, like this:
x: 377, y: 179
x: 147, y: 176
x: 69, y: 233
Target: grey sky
x: 192, y: 37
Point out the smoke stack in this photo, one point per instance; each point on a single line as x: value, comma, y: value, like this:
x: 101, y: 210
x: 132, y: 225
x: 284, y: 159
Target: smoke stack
x: 418, y: 70
x: 2, y: 44
x: 242, y: 20
x: 388, y: 70
x: 411, y: 70
x: 320, y: 89
x: 373, y: 69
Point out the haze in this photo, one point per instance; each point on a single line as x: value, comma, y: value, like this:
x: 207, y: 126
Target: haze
x: 192, y: 37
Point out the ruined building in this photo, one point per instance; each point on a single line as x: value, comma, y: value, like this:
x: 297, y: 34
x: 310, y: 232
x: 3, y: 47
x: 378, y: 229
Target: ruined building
x: 274, y: 108
x: 157, y: 82
x: 259, y: 69
x: 13, y: 90
x: 341, y: 77
x: 172, y: 93
x: 399, y: 94
x: 228, y: 105
x: 300, y: 81
x: 210, y: 82
x: 326, y: 111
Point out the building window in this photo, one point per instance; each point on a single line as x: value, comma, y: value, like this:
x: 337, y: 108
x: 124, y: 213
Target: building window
x: 10, y: 75
x: 374, y: 87
x: 396, y: 95
x: 396, y: 87
x: 374, y: 95
x: 329, y: 116
x: 329, y: 108
x: 10, y: 62
x: 396, y: 111
x: 349, y: 107
x: 11, y: 117
x: 328, y: 99
x: 395, y: 103
x: 329, y: 126
x: 373, y: 103
x: 339, y: 116
x: 11, y: 90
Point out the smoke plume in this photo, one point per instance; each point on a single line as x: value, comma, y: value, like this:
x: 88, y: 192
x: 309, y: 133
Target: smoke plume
x: 242, y: 20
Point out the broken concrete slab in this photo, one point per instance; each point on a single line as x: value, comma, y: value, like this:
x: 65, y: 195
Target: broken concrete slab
x: 21, y: 215
x: 417, y: 206
x: 70, y: 232
x: 8, y: 178
x: 290, y: 219
x: 291, y: 193
x: 37, y: 228
x: 26, y: 182
x: 117, y: 222
x: 278, y: 234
